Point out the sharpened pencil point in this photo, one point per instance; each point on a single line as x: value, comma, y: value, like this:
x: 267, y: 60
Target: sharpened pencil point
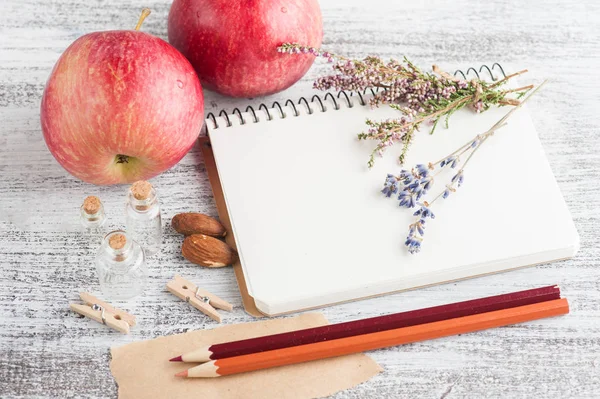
x: 184, y: 373
x: 176, y: 359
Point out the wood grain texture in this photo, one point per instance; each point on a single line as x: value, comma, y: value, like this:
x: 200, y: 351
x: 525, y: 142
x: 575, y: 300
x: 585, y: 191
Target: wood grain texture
x: 48, y: 351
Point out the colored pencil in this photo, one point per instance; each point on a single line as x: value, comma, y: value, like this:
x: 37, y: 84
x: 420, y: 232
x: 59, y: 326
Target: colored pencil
x: 370, y: 325
x: 382, y: 339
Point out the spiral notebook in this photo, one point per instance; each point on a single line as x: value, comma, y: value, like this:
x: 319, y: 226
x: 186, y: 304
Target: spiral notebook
x: 312, y: 228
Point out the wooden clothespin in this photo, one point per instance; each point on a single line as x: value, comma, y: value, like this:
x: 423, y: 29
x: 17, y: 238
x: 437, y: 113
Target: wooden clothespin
x: 201, y: 299
x: 104, y: 313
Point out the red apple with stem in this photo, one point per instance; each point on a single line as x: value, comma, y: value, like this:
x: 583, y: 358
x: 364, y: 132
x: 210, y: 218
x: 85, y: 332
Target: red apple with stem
x: 232, y: 44
x: 121, y: 106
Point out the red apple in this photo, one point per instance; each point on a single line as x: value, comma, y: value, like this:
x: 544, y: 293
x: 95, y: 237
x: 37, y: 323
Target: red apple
x: 121, y: 106
x: 232, y: 44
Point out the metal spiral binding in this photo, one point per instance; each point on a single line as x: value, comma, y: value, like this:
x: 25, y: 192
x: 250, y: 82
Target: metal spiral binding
x: 481, y: 68
x: 331, y: 98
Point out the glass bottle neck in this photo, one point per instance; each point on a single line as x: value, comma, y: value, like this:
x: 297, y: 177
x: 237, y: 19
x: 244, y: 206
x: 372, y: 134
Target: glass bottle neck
x: 142, y: 205
x: 93, y: 217
x: 116, y: 255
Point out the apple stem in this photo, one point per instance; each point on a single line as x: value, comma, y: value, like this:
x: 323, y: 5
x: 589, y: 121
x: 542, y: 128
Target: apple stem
x: 145, y: 13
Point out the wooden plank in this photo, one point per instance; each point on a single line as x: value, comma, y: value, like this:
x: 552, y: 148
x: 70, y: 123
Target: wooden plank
x: 46, y: 351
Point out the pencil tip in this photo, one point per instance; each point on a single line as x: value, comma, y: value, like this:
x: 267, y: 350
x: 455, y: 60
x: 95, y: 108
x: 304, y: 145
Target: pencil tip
x: 184, y: 373
x: 176, y: 359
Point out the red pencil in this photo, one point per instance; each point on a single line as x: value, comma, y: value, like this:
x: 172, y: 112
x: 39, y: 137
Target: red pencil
x: 371, y: 325
x: 377, y: 340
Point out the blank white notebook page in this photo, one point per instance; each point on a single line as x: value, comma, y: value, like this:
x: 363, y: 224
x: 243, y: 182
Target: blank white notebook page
x: 313, y: 228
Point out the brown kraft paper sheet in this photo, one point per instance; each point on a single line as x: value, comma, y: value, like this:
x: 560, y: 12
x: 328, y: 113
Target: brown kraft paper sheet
x: 142, y: 369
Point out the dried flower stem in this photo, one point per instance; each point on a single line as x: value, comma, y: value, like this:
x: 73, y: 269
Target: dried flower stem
x: 411, y: 185
x: 524, y: 88
x: 508, y: 77
x: 443, y: 111
x: 418, y: 96
x: 466, y: 146
x: 443, y: 73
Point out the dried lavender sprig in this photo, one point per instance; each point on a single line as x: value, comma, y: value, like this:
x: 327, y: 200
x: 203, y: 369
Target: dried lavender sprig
x: 419, y: 96
x: 414, y: 184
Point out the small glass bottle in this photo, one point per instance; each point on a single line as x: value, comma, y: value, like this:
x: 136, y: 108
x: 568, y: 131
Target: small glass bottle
x: 143, y: 217
x: 121, y: 266
x: 92, y: 217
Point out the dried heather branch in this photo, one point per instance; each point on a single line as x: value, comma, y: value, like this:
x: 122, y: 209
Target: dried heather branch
x: 419, y: 96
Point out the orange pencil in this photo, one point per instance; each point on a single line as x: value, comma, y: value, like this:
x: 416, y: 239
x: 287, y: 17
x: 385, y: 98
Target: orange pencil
x: 382, y: 339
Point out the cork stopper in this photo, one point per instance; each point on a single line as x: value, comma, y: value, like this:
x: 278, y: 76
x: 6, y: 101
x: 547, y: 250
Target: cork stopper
x: 117, y: 241
x: 91, y: 205
x: 141, y: 190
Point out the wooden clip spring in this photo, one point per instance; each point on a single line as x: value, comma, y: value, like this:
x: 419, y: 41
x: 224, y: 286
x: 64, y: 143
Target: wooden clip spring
x: 201, y: 299
x: 104, y: 313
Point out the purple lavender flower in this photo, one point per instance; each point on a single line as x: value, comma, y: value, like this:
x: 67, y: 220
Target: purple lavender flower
x: 422, y: 170
x: 405, y: 174
x: 452, y: 160
x: 420, y: 225
x: 406, y: 177
x: 414, y: 185
x: 427, y: 182
x: 419, y: 192
x: 458, y: 178
x: 424, y: 212
x: 416, y: 231
x: 411, y: 230
x: 406, y: 199
x: 414, y: 244
x: 390, y: 186
x: 420, y: 179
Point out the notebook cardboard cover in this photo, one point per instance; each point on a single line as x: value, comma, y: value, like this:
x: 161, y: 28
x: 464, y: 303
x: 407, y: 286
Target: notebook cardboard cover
x: 215, y: 183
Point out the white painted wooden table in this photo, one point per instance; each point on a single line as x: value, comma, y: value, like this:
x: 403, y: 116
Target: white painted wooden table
x: 47, y: 351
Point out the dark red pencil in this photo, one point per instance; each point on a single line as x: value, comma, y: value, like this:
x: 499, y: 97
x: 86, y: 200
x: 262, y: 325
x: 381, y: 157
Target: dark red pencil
x: 371, y: 325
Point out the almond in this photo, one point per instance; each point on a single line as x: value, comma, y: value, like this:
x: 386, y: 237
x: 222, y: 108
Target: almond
x: 207, y: 251
x: 197, y: 223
